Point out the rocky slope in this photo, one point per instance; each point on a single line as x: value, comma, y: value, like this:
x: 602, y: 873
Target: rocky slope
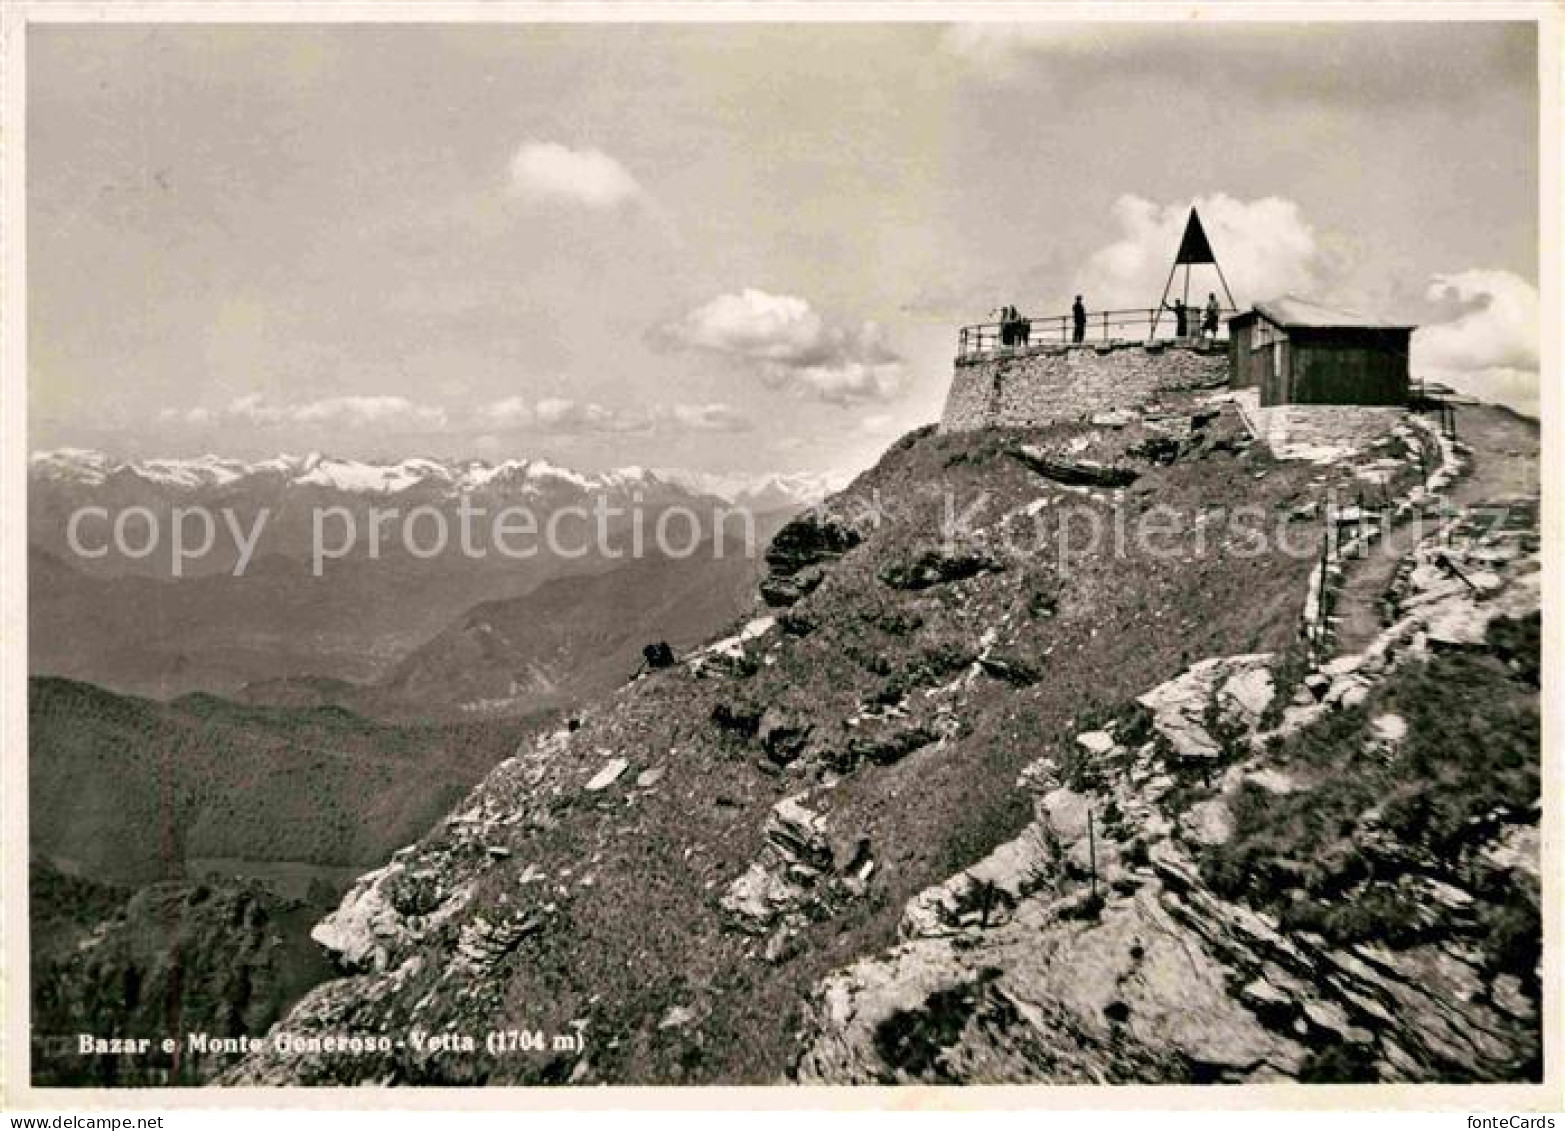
x: 216, y: 958
x: 1346, y: 889
x: 804, y: 852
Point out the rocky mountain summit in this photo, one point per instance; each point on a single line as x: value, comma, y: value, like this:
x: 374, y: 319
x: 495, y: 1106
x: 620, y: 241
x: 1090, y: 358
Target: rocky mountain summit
x: 1000, y: 784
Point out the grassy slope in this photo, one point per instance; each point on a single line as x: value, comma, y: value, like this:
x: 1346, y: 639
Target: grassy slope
x: 646, y: 934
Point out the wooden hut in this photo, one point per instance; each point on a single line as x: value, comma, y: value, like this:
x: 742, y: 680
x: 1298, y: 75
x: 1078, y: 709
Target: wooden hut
x: 1297, y: 352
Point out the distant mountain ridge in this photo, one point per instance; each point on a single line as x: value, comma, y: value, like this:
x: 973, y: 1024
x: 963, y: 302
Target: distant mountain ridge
x: 88, y: 468
x: 123, y: 621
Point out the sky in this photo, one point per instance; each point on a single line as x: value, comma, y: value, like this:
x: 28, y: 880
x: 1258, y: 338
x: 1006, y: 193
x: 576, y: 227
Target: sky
x: 725, y: 247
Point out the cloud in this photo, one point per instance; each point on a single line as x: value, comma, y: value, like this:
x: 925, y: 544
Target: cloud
x: 792, y: 346
x: 1389, y: 64
x: 565, y: 415
x: 710, y: 418
x: 390, y: 412
x: 550, y: 173
x: 560, y: 414
x: 1265, y: 248
x: 556, y: 415
x: 1491, y: 349
x: 194, y: 417
x: 512, y: 412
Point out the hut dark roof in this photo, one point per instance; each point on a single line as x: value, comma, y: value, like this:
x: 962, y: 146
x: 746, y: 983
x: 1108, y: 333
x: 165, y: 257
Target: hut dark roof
x: 1292, y: 313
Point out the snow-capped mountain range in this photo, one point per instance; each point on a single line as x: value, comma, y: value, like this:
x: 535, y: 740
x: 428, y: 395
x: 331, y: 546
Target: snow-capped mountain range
x: 85, y: 468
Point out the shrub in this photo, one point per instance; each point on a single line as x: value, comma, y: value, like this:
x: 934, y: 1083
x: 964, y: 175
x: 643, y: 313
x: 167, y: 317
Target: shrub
x: 1519, y: 643
x: 1327, y: 859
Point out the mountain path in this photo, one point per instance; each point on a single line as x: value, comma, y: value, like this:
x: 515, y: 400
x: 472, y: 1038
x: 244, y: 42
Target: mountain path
x: 1503, y: 466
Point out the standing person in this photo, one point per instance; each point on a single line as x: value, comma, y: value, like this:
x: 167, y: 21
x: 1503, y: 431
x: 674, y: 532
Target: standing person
x: 1181, y: 318
x: 1213, y: 313
x: 1078, y: 320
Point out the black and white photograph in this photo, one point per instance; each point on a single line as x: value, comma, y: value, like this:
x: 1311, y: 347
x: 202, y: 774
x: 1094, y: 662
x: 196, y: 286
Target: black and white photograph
x: 890, y: 547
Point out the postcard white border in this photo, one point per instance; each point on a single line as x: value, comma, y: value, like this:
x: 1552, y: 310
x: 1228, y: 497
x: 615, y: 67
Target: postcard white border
x: 16, y: 1091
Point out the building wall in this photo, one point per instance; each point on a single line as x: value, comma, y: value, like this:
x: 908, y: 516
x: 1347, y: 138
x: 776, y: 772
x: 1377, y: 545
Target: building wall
x: 1053, y: 383
x: 1321, y: 366
x: 1330, y: 367
x: 1246, y: 367
x: 1346, y: 428
x: 1274, y: 365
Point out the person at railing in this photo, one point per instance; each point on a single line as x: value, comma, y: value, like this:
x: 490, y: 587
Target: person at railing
x: 1213, y: 314
x: 1181, y: 318
x: 1021, y: 328
x: 1078, y: 320
x: 1014, y: 329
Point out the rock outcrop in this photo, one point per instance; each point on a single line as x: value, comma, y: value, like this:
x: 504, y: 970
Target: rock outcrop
x: 1093, y: 947
x: 794, y: 557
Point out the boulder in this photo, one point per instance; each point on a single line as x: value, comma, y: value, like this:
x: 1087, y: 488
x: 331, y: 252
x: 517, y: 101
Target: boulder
x: 1074, y: 473
x: 1347, y: 691
x: 795, y: 554
x: 608, y: 775
x: 1208, y: 822
x: 810, y: 538
x: 1389, y: 728
x: 781, y: 590
x: 1011, y: 668
x: 1179, y: 706
x: 677, y: 1017
x: 782, y: 736
x: 1343, y: 665
x: 1250, y: 690
x: 928, y: 567
x: 990, y: 887
x: 799, y: 833
x: 1156, y: 450
x: 891, y: 742
x: 1064, y: 813
x: 1095, y: 741
x: 759, y: 897
x: 1272, y: 780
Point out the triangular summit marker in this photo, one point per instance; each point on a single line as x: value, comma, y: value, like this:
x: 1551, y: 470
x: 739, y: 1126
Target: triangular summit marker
x: 1195, y: 248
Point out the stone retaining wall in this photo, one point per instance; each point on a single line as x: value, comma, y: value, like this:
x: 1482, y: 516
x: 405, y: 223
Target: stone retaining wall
x: 1046, y: 384
x: 1341, y: 428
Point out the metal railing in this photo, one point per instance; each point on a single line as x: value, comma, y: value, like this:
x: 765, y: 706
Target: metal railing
x: 1134, y: 325
x: 1422, y: 399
